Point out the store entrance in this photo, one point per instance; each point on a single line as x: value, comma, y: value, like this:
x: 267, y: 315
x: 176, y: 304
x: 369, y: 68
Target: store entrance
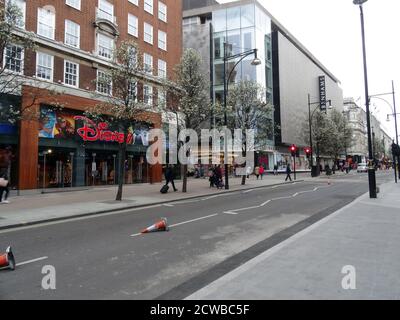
x: 137, y: 170
x: 100, y: 168
x: 55, y: 168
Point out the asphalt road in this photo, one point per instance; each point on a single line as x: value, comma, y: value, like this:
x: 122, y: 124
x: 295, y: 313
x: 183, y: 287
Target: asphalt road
x: 105, y: 257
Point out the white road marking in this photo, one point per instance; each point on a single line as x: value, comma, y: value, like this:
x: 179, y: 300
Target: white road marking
x: 245, y: 209
x: 31, y: 261
x: 168, y: 205
x: 281, y: 198
x: 202, y: 218
x: 181, y: 223
x: 295, y: 195
x: 231, y: 212
x: 265, y: 203
x: 248, y: 191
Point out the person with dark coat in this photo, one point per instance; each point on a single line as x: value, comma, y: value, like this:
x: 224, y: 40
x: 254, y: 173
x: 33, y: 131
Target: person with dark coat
x: 288, y: 173
x: 6, y: 189
x: 169, y: 176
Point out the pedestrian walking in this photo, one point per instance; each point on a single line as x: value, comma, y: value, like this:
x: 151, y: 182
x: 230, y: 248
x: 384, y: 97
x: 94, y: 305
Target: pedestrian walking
x: 275, y: 170
x: 169, y: 177
x: 218, y: 177
x: 248, y: 172
x: 257, y: 172
x: 262, y: 170
x: 288, y: 173
x: 5, y: 163
x: 4, y: 186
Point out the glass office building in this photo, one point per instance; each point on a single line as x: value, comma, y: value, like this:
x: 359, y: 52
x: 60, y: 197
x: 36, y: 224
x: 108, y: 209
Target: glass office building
x: 288, y: 71
x: 242, y: 28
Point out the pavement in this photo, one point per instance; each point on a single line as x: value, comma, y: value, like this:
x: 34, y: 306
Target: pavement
x: 350, y: 254
x: 72, y: 203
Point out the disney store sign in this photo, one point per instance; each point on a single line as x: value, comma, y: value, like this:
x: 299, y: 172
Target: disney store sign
x: 102, y: 132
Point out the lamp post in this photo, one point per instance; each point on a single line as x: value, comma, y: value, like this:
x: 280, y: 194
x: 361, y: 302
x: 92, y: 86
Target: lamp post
x: 227, y: 58
x: 310, y: 117
x: 45, y: 153
x: 371, y: 170
x: 394, y: 114
x: 72, y: 154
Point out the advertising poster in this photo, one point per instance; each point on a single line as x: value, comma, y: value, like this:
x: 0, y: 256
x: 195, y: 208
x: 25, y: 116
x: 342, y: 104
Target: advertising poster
x: 55, y: 124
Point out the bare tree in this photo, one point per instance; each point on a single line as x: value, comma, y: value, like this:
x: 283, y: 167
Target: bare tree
x: 194, y: 105
x: 121, y: 105
x: 248, y: 109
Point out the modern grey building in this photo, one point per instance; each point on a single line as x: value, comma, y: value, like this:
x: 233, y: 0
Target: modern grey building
x: 289, y: 72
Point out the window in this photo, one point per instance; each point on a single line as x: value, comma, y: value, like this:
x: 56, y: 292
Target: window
x: 162, y: 68
x: 72, y: 34
x: 148, y: 6
x: 135, y: 2
x: 162, y: 98
x: 133, y: 91
x: 191, y: 21
x: 148, y: 33
x: 162, y: 11
x: 148, y: 94
x: 148, y: 63
x: 105, y: 46
x: 46, y: 23
x: 14, y: 58
x: 162, y: 40
x: 44, y: 66
x: 21, y: 4
x: 104, y: 84
x: 106, y: 10
x: 132, y: 25
x: 71, y: 73
x: 74, y: 3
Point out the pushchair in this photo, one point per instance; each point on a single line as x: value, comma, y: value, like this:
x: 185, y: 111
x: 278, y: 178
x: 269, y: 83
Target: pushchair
x: 216, y: 181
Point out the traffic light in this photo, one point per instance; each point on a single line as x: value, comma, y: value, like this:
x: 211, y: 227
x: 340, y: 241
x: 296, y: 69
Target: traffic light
x: 293, y: 150
x: 307, y: 150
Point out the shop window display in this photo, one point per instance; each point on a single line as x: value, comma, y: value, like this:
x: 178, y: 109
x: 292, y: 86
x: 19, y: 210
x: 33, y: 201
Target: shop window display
x: 84, y: 152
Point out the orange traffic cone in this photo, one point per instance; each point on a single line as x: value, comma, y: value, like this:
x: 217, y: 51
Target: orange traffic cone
x: 7, y: 260
x: 161, y: 225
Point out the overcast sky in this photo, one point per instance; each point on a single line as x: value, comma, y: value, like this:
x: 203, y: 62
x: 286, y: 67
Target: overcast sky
x: 331, y: 30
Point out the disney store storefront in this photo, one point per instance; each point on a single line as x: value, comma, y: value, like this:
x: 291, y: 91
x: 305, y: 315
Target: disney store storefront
x: 75, y: 151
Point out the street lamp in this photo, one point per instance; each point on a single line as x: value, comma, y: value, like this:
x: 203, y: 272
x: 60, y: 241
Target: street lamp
x: 45, y: 153
x: 310, y: 117
x: 394, y: 114
x: 371, y: 169
x: 256, y: 62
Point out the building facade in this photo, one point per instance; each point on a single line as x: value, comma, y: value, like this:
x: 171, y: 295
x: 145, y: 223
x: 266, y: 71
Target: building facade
x: 357, y: 118
x: 288, y: 71
x: 74, y: 45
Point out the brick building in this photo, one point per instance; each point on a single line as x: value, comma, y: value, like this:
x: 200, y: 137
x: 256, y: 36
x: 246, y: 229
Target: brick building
x: 75, y: 40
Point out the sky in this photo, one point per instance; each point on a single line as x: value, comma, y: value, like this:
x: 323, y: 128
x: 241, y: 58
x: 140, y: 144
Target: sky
x: 331, y: 31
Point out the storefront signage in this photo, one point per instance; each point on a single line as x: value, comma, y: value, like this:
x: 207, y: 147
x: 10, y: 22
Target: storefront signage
x: 101, y: 132
x: 322, y: 93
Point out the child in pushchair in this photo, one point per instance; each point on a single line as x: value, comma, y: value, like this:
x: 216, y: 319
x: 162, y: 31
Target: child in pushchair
x: 216, y: 181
